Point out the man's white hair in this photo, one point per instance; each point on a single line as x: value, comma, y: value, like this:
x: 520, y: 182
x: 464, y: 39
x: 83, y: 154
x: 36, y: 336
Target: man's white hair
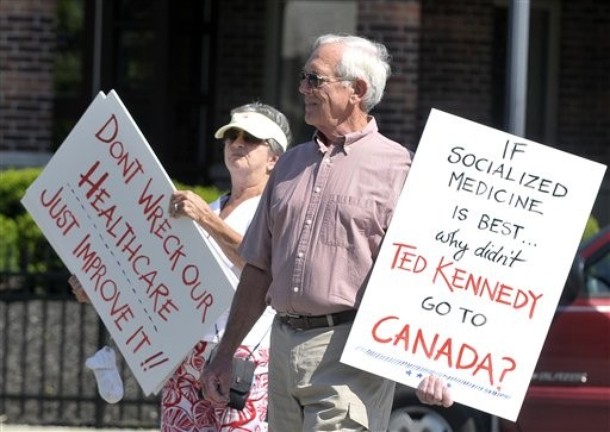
x: 361, y: 59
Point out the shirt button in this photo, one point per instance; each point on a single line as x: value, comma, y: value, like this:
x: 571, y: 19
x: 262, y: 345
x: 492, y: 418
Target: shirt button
x: 300, y: 254
x: 295, y: 289
x: 308, y: 222
x: 317, y: 190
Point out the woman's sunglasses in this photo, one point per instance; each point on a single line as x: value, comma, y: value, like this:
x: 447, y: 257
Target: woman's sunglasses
x: 232, y: 134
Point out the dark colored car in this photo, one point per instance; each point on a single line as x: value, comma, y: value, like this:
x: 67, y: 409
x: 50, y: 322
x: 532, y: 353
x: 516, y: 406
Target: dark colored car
x: 570, y: 389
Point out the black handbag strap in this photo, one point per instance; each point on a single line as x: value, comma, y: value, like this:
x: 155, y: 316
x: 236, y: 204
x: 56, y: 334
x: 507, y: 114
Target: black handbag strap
x: 255, y: 346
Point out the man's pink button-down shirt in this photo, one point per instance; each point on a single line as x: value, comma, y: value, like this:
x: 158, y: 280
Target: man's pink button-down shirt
x: 321, y: 220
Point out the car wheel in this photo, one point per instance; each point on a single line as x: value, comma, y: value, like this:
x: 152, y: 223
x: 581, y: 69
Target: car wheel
x: 415, y: 417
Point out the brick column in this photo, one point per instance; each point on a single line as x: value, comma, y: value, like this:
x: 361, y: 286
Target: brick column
x: 27, y: 48
x: 396, y: 24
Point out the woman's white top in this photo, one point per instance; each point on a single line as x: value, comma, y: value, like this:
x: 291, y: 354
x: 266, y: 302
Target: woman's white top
x: 239, y: 220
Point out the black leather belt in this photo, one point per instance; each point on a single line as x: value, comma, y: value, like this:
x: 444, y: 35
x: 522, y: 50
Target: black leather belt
x: 307, y: 322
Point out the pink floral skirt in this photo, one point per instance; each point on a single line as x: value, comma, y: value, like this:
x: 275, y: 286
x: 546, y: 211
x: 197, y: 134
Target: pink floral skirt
x: 184, y: 410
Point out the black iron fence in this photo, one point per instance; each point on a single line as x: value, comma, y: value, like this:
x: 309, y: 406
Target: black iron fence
x: 45, y: 338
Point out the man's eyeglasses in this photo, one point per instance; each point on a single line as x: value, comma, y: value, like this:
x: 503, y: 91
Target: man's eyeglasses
x: 315, y: 81
x: 232, y: 134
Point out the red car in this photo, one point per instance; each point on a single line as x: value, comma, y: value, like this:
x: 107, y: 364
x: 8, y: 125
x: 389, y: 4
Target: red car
x: 570, y: 390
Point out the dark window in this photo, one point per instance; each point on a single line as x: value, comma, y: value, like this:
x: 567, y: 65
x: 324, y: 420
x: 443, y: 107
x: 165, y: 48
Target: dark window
x: 157, y: 56
x: 70, y: 72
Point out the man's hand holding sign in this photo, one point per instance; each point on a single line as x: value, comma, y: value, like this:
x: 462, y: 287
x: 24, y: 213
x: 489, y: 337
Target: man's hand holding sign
x: 473, y: 265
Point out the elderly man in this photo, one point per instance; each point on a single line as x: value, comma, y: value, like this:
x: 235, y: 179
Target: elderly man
x: 311, y: 247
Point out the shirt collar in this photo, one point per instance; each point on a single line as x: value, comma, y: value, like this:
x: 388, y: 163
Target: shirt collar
x: 349, y: 139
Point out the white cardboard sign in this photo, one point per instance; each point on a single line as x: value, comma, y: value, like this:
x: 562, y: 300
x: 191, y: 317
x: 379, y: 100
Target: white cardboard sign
x: 472, y: 267
x: 103, y: 203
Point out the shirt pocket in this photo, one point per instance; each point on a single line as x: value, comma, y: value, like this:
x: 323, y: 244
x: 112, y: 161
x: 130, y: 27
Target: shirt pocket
x: 347, y: 221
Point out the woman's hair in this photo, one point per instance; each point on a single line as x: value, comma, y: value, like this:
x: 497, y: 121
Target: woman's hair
x: 361, y: 59
x: 274, y: 114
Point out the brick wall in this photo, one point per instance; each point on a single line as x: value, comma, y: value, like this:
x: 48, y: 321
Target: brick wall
x: 27, y: 44
x: 396, y: 24
x: 583, y: 118
x: 456, y: 59
x: 584, y: 94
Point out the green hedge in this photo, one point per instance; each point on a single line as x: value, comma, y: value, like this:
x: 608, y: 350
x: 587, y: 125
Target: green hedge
x: 208, y: 193
x: 9, y: 258
x: 591, y: 228
x: 13, y: 184
x: 23, y: 247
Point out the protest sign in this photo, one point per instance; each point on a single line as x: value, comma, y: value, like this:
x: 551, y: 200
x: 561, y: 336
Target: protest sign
x: 157, y: 282
x: 473, y: 264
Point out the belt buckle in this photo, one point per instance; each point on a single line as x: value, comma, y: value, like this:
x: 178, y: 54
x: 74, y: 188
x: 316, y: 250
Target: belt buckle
x: 305, y: 323
x: 294, y: 319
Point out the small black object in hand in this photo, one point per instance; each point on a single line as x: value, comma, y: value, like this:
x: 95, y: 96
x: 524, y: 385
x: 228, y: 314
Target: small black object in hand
x: 241, y: 382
